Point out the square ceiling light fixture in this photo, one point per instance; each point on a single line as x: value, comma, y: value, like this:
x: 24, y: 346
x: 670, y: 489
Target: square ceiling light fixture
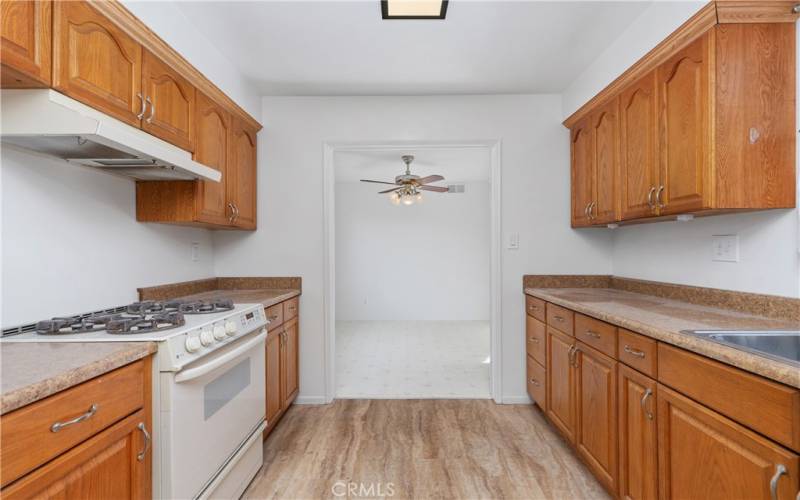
x: 413, y: 9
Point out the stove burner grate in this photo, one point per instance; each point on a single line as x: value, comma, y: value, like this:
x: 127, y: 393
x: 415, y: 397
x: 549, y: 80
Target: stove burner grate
x: 75, y: 324
x: 129, y: 325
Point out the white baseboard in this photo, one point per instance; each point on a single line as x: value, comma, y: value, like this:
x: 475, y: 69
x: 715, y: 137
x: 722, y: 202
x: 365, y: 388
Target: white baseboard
x: 310, y: 400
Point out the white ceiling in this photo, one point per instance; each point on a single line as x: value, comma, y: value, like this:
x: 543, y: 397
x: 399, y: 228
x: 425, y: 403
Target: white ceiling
x: 345, y: 48
x: 454, y: 164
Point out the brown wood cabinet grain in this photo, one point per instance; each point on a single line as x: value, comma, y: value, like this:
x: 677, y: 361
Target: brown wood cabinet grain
x: 536, y: 377
x: 212, y: 130
x: 560, y: 382
x: 282, y: 361
x: 705, y: 455
x: 605, y: 160
x: 96, y: 62
x: 536, y: 342
x: 582, y: 173
x: 560, y: 318
x: 273, y: 375
x: 535, y: 307
x: 26, y: 43
x: 638, y: 436
x: 597, y: 334
x: 169, y: 99
x: 241, y: 183
x: 596, y: 412
x: 291, y: 351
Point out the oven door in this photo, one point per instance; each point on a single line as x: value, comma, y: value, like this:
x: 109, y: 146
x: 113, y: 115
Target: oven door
x: 209, y: 409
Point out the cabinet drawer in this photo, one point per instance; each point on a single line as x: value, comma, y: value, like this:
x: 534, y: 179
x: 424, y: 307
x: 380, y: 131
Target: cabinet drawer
x: 560, y: 318
x: 638, y: 351
x: 535, y: 307
x: 597, y: 334
x: 536, y: 382
x: 290, y: 308
x: 275, y: 316
x: 767, y: 407
x: 536, y: 338
x: 28, y: 436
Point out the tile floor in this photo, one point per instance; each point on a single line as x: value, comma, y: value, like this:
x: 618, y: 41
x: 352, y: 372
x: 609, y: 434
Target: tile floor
x: 412, y: 359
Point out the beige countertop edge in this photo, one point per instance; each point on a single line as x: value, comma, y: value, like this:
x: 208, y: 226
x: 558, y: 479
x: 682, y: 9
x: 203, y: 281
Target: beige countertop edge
x: 26, y: 394
x: 766, y: 367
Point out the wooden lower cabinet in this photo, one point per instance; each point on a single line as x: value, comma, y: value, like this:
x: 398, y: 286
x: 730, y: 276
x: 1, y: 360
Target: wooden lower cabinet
x: 290, y: 357
x: 536, y: 382
x: 596, y: 412
x: 638, y: 436
x: 282, y: 362
x: 561, y: 383
x: 273, y: 367
x: 704, y: 455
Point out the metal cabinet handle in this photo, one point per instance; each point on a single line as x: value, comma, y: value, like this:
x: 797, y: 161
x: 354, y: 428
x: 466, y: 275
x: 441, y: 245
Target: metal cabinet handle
x: 60, y: 425
x: 573, y: 355
x: 233, y: 213
x: 533, y: 307
x: 780, y: 470
x: 633, y: 352
x: 152, y: 109
x: 559, y: 318
x: 141, y: 454
x: 647, y: 394
x: 143, y: 107
x: 592, y: 334
x: 592, y: 210
x: 534, y: 340
x: 586, y: 210
x: 650, y: 197
x: 658, y: 197
x: 535, y: 382
x: 273, y: 317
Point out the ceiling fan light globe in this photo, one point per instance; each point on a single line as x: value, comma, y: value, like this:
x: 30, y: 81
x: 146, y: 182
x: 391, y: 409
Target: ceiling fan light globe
x: 408, y: 200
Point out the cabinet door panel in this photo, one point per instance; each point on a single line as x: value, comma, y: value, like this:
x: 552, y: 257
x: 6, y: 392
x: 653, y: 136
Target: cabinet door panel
x: 605, y: 129
x: 212, y: 134
x: 536, y: 331
x: 638, y: 452
x: 273, y: 374
x: 171, y: 103
x: 25, y: 43
x: 560, y: 383
x: 638, y: 149
x: 596, y: 410
x: 582, y: 173
x: 705, y: 455
x: 95, y: 62
x: 685, y: 143
x: 291, y: 351
x: 536, y: 382
x: 242, y: 175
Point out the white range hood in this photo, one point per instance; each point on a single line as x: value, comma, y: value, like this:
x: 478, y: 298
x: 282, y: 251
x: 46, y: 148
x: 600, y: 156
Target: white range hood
x: 50, y: 123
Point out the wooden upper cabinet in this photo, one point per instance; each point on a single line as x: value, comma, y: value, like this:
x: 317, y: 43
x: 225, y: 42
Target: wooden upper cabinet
x: 685, y: 128
x: 638, y: 437
x: 705, y: 455
x: 170, y: 103
x: 638, y: 149
x: 596, y: 411
x: 95, y: 62
x: 582, y: 173
x: 605, y: 131
x: 241, y: 182
x: 25, y: 43
x: 212, y: 132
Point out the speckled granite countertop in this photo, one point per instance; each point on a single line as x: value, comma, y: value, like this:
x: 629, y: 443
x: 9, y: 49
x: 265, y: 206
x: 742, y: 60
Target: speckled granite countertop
x: 663, y: 319
x: 30, y: 371
x: 266, y: 296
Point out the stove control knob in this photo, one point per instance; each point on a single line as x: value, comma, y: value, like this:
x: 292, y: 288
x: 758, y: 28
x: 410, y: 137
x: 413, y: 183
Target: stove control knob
x: 192, y: 344
x: 206, y: 338
x: 231, y: 328
x: 219, y: 332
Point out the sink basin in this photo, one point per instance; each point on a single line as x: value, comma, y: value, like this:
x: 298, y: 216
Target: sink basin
x: 779, y: 345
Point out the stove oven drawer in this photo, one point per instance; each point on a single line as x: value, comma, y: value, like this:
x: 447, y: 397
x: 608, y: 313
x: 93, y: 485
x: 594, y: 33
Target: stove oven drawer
x: 43, y: 430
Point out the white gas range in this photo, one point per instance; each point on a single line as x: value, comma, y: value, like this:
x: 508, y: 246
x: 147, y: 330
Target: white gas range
x: 208, y: 386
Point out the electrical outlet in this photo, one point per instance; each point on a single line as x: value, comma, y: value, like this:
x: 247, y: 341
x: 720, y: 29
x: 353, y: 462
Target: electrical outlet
x: 725, y: 247
x: 195, y: 251
x: 513, y: 241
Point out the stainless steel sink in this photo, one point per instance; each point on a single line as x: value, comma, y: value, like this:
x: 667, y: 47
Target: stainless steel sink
x: 780, y: 345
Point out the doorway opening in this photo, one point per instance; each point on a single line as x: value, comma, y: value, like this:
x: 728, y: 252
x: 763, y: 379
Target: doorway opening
x: 409, y: 297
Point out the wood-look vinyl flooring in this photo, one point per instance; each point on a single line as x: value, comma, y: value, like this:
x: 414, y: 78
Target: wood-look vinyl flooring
x: 421, y: 449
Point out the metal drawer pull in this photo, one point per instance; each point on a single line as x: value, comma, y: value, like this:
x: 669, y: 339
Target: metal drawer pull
x: 592, y: 334
x: 534, y: 382
x: 650, y: 198
x: 273, y: 317
x: 152, y: 109
x: 559, y: 318
x: 658, y: 197
x: 647, y: 394
x: 572, y: 355
x: 533, y: 307
x: 780, y: 470
x: 633, y: 352
x: 60, y: 425
x: 142, y: 428
x: 534, y: 340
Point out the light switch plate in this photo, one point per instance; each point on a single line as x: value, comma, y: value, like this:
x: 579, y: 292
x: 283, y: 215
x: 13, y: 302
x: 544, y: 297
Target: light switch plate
x: 513, y: 241
x: 725, y: 248
x: 195, y: 251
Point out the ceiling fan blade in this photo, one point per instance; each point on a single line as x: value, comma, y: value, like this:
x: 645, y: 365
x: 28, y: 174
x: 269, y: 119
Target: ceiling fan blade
x: 389, y: 190
x: 379, y: 182
x: 430, y: 178
x: 438, y: 189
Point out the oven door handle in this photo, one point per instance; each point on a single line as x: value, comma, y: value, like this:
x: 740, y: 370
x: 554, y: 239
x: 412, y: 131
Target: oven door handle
x: 199, y: 371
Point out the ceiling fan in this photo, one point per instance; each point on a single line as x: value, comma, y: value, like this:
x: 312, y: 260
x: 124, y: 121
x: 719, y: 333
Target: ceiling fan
x: 407, y: 187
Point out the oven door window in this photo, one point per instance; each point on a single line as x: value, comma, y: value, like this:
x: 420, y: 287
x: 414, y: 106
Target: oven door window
x: 224, y: 388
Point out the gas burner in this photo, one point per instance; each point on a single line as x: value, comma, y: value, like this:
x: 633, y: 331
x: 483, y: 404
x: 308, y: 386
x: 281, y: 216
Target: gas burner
x: 206, y: 306
x: 127, y: 325
x: 153, y: 307
x: 75, y: 324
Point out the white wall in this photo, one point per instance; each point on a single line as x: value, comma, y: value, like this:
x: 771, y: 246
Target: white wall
x: 428, y: 261
x: 682, y: 252
x: 535, y: 194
